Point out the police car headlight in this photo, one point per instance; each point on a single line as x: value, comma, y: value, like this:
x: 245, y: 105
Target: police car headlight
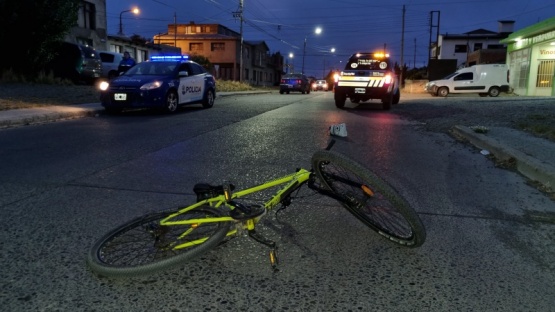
x: 151, y: 85
x: 103, y: 86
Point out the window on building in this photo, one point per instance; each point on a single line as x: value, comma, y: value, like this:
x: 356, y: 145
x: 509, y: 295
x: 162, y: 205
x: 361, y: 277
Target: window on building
x: 546, y: 70
x: 86, y: 17
x: 196, y: 47
x: 218, y: 46
x: 496, y: 46
x: 460, y: 48
x: 477, y: 46
x: 142, y: 55
x: 520, y: 68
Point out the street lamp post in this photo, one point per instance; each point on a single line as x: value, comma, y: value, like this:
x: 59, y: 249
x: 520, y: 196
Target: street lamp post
x: 332, y: 50
x: 134, y: 10
x: 317, y: 31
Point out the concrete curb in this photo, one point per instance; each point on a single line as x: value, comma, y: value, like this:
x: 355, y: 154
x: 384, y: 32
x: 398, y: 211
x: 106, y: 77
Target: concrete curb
x: 528, y: 166
x: 22, y: 117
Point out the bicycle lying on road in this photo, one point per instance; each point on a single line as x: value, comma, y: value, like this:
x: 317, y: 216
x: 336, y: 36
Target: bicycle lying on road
x: 160, y: 240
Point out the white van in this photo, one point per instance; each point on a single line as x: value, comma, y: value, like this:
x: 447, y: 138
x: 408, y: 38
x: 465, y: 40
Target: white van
x: 487, y: 79
x: 110, y: 63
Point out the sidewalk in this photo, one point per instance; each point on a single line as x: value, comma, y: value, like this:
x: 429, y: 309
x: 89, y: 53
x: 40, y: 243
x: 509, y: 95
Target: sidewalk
x: 531, y: 156
x: 28, y: 116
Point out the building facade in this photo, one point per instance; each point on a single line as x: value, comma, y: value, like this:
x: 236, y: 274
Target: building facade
x: 531, y: 59
x: 479, y: 46
x: 91, y: 30
x: 222, y: 47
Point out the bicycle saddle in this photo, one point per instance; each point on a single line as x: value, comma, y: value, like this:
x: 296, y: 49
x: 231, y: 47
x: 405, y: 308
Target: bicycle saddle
x: 205, y: 190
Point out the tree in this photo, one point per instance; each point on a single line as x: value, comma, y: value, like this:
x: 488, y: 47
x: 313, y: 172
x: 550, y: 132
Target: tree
x: 31, y: 28
x: 202, y: 60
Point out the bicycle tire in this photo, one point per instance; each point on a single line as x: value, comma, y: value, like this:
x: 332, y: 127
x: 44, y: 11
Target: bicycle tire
x: 386, y: 212
x: 140, y: 247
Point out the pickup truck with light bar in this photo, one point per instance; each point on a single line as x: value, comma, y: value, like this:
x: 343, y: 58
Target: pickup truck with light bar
x: 367, y: 76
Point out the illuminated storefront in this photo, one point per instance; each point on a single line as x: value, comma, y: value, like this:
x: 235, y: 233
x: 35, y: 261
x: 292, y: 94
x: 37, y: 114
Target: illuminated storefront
x: 531, y: 59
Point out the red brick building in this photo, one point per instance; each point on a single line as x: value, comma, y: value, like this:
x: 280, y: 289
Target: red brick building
x: 222, y: 47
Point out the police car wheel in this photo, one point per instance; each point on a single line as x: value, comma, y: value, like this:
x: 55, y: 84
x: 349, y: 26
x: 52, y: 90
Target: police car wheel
x: 208, y: 100
x: 387, y: 100
x: 397, y: 97
x: 340, y: 99
x: 171, y: 102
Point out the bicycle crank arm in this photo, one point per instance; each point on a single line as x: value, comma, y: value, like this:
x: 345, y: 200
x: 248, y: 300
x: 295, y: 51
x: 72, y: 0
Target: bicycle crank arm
x: 273, y: 252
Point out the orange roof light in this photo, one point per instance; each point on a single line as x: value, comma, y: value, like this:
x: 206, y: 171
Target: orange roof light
x: 381, y: 54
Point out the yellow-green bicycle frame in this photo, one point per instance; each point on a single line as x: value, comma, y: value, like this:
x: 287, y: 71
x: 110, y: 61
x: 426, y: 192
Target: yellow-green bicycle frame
x: 292, y: 182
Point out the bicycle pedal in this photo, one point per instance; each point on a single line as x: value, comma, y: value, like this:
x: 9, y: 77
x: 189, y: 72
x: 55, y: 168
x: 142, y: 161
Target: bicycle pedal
x: 247, y: 212
x: 274, y: 260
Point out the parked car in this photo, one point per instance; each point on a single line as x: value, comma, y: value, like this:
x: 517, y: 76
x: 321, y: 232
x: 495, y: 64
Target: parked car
x: 320, y: 85
x: 78, y: 63
x: 110, y: 63
x: 164, y: 82
x: 484, y: 79
x: 294, y: 82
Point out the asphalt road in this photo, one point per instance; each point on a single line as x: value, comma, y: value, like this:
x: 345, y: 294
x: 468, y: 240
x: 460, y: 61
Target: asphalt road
x: 64, y: 184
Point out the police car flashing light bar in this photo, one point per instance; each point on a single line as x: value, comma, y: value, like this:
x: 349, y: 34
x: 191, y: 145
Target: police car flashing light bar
x: 376, y: 54
x: 159, y: 58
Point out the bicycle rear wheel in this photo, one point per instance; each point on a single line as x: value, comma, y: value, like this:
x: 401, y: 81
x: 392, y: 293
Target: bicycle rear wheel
x: 143, y: 246
x: 369, y: 198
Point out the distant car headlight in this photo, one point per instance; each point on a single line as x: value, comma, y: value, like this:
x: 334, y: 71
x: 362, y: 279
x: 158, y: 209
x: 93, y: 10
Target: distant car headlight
x: 104, y: 85
x: 151, y: 85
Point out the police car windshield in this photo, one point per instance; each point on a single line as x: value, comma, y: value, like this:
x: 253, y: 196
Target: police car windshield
x: 367, y: 63
x: 153, y: 68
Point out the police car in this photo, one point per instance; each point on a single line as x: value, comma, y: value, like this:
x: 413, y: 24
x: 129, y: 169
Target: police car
x: 367, y: 76
x: 163, y: 82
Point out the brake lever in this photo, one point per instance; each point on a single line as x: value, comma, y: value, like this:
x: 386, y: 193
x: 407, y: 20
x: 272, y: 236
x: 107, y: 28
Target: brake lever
x: 330, y: 144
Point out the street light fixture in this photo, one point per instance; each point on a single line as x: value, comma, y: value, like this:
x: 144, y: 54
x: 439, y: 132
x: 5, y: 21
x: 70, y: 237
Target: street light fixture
x: 317, y: 31
x: 290, y: 67
x: 134, y: 10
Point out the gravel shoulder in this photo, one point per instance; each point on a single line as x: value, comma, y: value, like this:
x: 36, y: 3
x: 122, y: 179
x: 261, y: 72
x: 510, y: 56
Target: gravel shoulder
x: 19, y: 95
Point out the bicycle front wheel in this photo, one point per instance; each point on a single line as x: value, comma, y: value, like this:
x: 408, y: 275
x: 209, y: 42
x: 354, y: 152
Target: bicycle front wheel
x: 369, y: 198
x: 143, y: 246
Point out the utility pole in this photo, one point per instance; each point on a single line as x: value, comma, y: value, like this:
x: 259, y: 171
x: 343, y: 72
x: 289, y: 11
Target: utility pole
x: 432, y: 26
x: 239, y: 14
x: 402, y: 47
x: 175, y: 30
x: 414, y: 56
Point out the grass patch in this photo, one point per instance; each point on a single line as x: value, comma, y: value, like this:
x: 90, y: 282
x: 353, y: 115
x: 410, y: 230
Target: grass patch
x: 480, y: 129
x: 539, y: 125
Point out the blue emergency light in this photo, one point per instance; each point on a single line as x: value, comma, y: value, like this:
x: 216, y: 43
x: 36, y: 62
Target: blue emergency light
x: 158, y: 58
